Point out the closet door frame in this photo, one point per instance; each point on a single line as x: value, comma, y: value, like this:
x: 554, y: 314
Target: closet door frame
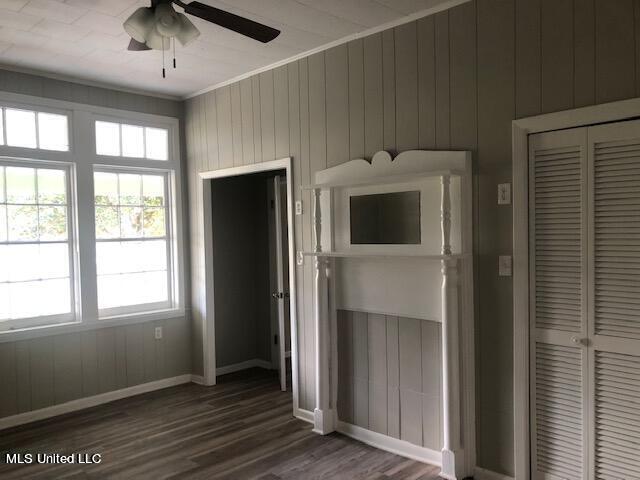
x: 521, y: 129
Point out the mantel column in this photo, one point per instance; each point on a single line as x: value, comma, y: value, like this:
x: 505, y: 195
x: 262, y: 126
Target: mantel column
x: 323, y: 415
x: 452, y: 459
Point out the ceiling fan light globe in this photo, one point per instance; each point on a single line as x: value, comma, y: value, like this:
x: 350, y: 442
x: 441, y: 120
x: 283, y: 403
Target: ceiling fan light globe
x: 188, y: 31
x: 167, y: 21
x: 139, y: 24
x: 157, y: 41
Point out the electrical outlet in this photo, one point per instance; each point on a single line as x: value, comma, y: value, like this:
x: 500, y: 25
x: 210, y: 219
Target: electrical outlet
x: 300, y: 258
x: 158, y: 333
x: 505, y: 266
x: 504, y: 194
x: 298, y: 207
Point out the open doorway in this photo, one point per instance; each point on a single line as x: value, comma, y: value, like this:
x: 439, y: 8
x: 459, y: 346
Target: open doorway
x: 251, y: 267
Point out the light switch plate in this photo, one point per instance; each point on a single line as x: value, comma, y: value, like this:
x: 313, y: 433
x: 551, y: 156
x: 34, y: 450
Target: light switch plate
x: 298, y: 207
x: 504, y: 194
x: 505, y: 267
x: 158, y: 333
x: 300, y: 258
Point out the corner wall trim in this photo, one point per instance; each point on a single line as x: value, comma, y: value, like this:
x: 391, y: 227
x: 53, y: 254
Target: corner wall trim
x: 484, y: 474
x: 87, y: 402
x: 198, y: 379
x: 236, y: 367
x: 390, y: 444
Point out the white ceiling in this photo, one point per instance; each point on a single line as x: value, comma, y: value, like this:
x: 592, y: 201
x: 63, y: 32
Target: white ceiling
x: 84, y: 39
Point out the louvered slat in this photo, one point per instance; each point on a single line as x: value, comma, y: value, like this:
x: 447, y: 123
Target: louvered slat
x: 558, y: 411
x: 616, y: 204
x: 617, y: 415
x: 557, y: 238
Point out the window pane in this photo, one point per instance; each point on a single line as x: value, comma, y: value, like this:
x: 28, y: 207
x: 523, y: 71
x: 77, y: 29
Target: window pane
x: 54, y: 260
x: 153, y: 190
x: 53, y: 223
x: 107, y: 222
x: 4, y: 263
x: 22, y: 261
x: 21, y: 299
x: 22, y: 222
x: 131, y: 257
x: 153, y: 222
x: 105, y: 187
x: 21, y: 185
x: 107, y: 138
x: 131, y: 289
x: 131, y: 222
x: 5, y: 308
x: 132, y: 141
x: 21, y: 128
x: 52, y: 186
x: 156, y: 143
x: 53, y: 131
x: 130, y: 189
x: 3, y: 223
x: 2, y: 199
x: 55, y: 296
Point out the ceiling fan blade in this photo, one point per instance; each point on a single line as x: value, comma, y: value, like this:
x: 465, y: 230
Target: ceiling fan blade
x: 136, y: 46
x: 241, y: 25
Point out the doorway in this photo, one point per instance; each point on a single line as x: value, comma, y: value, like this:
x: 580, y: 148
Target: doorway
x: 250, y: 264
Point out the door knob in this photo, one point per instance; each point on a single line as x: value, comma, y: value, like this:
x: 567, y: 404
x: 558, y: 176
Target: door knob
x: 579, y: 341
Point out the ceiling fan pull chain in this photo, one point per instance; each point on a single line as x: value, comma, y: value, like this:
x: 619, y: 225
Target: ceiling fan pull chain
x: 164, y: 73
x: 174, y: 51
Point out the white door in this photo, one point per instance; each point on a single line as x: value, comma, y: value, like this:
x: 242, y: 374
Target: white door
x: 281, y: 296
x: 585, y: 302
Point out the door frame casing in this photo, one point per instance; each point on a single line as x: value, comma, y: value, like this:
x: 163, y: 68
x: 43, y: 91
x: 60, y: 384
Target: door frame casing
x: 208, y: 327
x: 520, y: 131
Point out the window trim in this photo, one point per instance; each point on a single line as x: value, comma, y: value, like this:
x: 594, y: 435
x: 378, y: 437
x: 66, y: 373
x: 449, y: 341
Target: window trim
x: 72, y: 236
x: 82, y: 156
x: 171, y: 255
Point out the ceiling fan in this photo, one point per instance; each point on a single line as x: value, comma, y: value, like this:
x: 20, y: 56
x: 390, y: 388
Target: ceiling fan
x: 158, y: 27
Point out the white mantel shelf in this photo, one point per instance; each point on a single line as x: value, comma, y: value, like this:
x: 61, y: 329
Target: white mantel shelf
x: 381, y: 181
x: 385, y: 255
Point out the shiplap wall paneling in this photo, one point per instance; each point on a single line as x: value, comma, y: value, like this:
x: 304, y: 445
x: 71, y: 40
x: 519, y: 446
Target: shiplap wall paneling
x: 52, y: 370
x: 389, y: 376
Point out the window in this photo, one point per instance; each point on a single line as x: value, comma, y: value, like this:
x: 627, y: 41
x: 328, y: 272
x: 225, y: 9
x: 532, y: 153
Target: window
x: 29, y: 129
x: 133, y: 248
x: 132, y: 141
x: 36, y: 281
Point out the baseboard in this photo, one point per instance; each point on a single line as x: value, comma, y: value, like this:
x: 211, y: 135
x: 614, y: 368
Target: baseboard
x: 484, y: 474
x: 236, y: 367
x: 87, y: 402
x: 303, y: 414
x: 199, y: 379
x: 390, y: 444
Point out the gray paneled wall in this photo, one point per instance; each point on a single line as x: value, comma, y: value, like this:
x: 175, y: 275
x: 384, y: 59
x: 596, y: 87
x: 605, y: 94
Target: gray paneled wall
x: 454, y: 80
x: 47, y: 371
x: 389, y: 376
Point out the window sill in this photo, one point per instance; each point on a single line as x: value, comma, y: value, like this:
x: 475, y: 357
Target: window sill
x: 76, y: 327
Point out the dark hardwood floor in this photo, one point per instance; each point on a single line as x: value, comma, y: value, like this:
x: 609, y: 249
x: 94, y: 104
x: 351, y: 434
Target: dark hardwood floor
x: 240, y: 429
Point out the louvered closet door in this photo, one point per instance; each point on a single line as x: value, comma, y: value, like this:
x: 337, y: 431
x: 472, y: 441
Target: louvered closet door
x: 614, y: 300
x: 558, y: 266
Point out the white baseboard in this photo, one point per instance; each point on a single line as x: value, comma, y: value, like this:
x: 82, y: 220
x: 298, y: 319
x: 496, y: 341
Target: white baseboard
x: 199, y: 379
x: 236, y: 367
x: 82, y: 403
x: 303, y: 414
x: 390, y: 444
x: 484, y: 474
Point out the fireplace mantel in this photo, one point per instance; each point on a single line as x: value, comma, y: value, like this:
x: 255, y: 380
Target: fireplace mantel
x: 452, y: 170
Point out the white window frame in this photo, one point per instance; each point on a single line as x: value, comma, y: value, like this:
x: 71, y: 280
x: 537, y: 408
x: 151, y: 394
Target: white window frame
x: 82, y: 160
x: 64, y: 318
x: 170, y: 220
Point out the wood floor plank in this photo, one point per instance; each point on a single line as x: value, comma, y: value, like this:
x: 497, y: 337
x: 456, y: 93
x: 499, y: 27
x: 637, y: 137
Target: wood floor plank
x: 242, y: 428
